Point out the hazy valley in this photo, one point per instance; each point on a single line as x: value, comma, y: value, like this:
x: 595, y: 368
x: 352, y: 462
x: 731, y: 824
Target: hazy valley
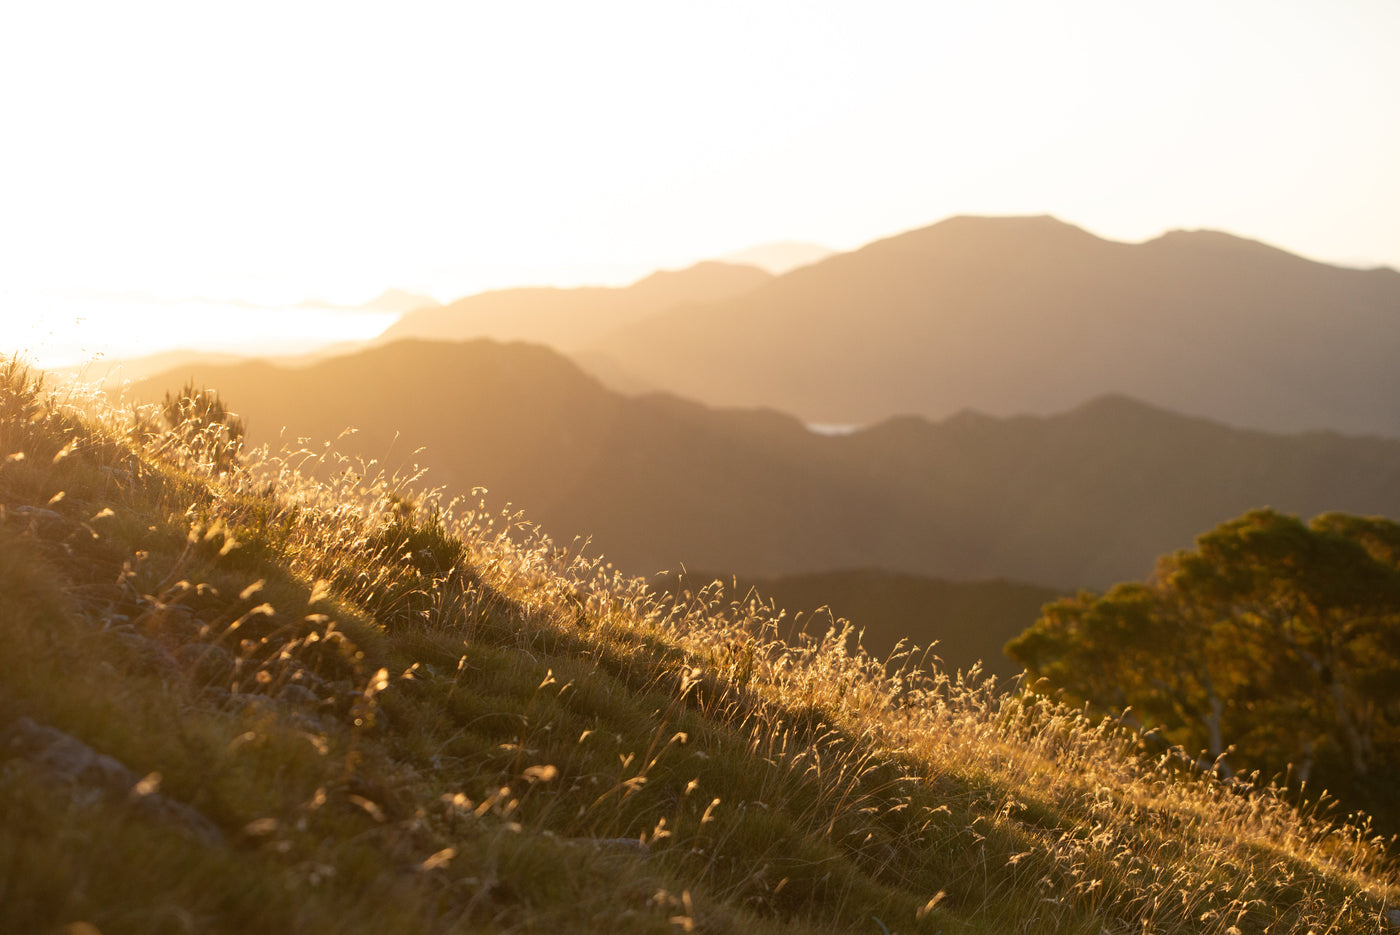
x: 1084, y: 498
x: 989, y: 314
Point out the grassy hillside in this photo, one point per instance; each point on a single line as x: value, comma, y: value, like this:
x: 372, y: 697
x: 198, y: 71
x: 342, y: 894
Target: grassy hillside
x: 246, y: 701
x: 1081, y: 499
x: 965, y: 623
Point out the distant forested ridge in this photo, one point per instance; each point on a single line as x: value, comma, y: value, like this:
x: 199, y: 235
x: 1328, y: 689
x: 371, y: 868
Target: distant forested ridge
x: 1084, y: 498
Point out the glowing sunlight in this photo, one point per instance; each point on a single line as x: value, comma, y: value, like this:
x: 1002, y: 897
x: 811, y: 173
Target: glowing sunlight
x: 323, y: 150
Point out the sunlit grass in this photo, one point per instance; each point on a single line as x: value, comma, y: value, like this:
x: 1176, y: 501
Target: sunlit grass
x: 408, y: 714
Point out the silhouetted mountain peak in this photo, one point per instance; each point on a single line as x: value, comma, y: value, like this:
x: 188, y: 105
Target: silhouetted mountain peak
x: 780, y: 258
x: 1038, y: 224
x: 1118, y: 405
x: 705, y: 281
x: 1220, y: 247
x: 528, y: 361
x: 1117, y: 412
x: 569, y: 318
x: 398, y: 300
x: 968, y: 418
x: 1031, y: 314
x: 966, y: 232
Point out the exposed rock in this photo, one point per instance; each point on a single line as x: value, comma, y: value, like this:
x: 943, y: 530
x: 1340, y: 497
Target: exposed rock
x: 66, y: 756
x: 69, y: 759
x: 174, y: 619
x: 43, y: 518
x: 37, y: 512
x: 312, y: 681
x: 125, y: 478
x: 149, y: 655
x: 247, y: 703
x: 206, y: 663
x: 299, y: 695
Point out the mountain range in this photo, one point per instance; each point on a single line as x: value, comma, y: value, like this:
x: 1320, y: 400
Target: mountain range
x: 1031, y: 315
x: 1006, y: 316
x: 917, y: 514
x: 574, y: 319
x: 1087, y: 497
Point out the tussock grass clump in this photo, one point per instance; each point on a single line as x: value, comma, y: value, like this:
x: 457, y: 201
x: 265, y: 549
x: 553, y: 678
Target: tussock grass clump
x: 401, y: 713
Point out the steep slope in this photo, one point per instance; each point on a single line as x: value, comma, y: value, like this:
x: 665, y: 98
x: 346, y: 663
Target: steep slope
x: 573, y: 318
x: 964, y: 622
x: 231, y: 705
x: 1086, y: 498
x: 1031, y: 315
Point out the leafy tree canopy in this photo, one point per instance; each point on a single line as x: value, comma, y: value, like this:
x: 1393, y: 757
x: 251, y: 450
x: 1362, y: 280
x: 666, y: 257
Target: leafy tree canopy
x: 1274, y: 645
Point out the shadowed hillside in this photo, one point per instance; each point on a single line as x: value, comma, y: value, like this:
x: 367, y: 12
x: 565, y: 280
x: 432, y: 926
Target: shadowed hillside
x: 1085, y: 498
x: 1031, y: 315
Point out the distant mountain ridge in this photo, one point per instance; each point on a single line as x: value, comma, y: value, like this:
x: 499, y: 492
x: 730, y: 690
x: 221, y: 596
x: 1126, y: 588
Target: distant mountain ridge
x: 1032, y: 315
x: 1085, y: 498
x: 780, y: 258
x: 574, y: 318
x: 398, y: 300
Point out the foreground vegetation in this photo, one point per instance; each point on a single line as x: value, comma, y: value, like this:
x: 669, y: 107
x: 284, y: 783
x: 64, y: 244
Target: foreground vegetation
x: 238, y: 699
x: 1272, y: 645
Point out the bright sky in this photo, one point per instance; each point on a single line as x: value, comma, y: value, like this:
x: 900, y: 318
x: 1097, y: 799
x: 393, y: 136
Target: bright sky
x: 277, y: 150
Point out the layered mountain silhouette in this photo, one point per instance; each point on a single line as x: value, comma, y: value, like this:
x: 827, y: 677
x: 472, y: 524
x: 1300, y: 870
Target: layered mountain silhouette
x: 1084, y: 498
x: 573, y: 319
x: 397, y: 300
x: 1030, y: 315
x: 779, y: 258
